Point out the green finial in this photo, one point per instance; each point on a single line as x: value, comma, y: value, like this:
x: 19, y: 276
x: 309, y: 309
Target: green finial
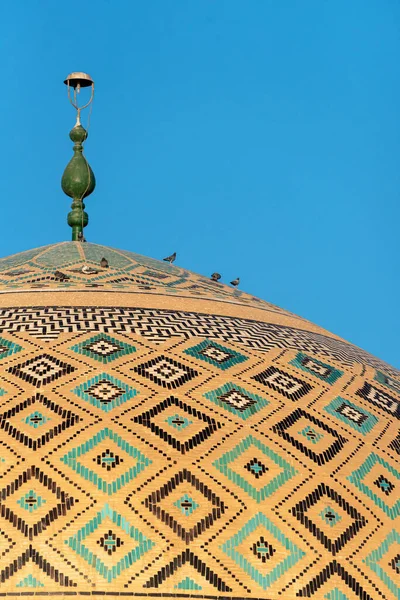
x: 78, y: 180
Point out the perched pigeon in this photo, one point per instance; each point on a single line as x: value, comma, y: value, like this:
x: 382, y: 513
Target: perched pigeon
x: 171, y: 258
x: 88, y: 270
x: 215, y: 277
x: 104, y: 263
x: 81, y: 237
x: 235, y: 282
x: 61, y: 276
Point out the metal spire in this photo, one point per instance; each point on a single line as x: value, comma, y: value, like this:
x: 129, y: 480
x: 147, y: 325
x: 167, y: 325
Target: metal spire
x: 78, y: 180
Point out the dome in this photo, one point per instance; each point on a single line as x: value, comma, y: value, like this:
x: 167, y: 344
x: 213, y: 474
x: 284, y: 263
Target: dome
x: 164, y: 435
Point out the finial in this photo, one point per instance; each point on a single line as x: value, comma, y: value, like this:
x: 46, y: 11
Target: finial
x: 78, y: 180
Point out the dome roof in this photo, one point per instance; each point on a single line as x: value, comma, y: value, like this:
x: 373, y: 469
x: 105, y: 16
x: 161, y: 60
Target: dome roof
x: 163, y: 435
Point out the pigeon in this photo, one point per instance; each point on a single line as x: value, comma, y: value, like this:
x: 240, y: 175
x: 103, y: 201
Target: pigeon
x: 171, y: 258
x: 104, y: 263
x: 81, y: 237
x: 88, y: 270
x: 61, y: 276
x: 215, y: 277
x: 235, y: 282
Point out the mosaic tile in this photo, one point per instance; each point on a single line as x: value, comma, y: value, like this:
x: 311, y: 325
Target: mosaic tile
x: 104, y: 348
x: 237, y: 400
x: 292, y: 554
x: 284, y: 383
x: 134, y: 462
x: 141, y: 544
x: 357, y: 417
x: 216, y: 355
x: 239, y: 474
x: 166, y: 372
x: 389, y: 478
x: 387, y: 575
x: 317, y: 368
x: 105, y: 392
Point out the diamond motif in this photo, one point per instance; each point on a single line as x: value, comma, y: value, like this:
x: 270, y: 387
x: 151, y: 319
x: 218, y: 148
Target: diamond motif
x: 110, y: 542
x: 204, y: 425
x: 307, y: 510
x: 291, y: 553
x: 105, y: 391
x: 31, y: 501
x: 374, y: 562
x: 36, y: 419
x: 213, y: 509
x: 388, y: 381
x: 384, y: 485
x: 256, y: 468
x: 166, y: 372
x: 284, y: 383
x: 140, y: 544
x: 381, y: 399
x: 287, y: 429
x: 310, y: 434
x: 30, y: 582
x: 41, y: 370
x: 61, y: 419
x: 358, y: 418
x: 262, y: 549
x: 108, y: 460
x: 104, y: 348
x: 186, y: 505
x: 137, y: 461
x: 317, y: 368
x: 59, y: 503
x: 281, y: 473
x: 178, y: 422
x: 237, y: 400
x: 216, y: 355
x: 358, y: 476
x: 330, y: 516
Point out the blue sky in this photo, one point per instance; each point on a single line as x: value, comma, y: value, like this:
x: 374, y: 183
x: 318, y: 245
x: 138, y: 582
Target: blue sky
x: 257, y: 138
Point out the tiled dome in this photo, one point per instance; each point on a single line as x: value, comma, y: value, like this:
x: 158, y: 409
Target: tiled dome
x: 163, y: 435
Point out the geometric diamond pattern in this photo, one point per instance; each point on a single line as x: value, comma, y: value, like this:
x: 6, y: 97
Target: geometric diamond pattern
x: 320, y: 523
x: 195, y: 428
x: 133, y: 458
x: 358, y: 418
x: 362, y: 480
x: 237, y: 400
x: 166, y: 372
x: 234, y: 464
x: 257, y: 571
x: 140, y: 544
x: 381, y: 399
x: 48, y: 422
x: 103, y: 347
x: 105, y: 391
x: 287, y: 428
x: 41, y: 370
x: 316, y: 368
x: 59, y: 505
x: 289, y: 386
x: 381, y: 567
x: 162, y: 506
x: 216, y: 355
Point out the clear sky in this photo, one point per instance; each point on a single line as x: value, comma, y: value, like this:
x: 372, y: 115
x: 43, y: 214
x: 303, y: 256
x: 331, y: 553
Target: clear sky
x: 257, y: 138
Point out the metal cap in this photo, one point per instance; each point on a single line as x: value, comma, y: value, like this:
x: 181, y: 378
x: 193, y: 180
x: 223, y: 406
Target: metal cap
x: 78, y: 78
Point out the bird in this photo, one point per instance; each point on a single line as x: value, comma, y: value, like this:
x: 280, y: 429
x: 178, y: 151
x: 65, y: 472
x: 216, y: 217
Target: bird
x: 104, y: 263
x: 88, y: 270
x: 235, y: 282
x: 171, y: 258
x: 61, y: 276
x: 81, y: 237
x: 215, y: 277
